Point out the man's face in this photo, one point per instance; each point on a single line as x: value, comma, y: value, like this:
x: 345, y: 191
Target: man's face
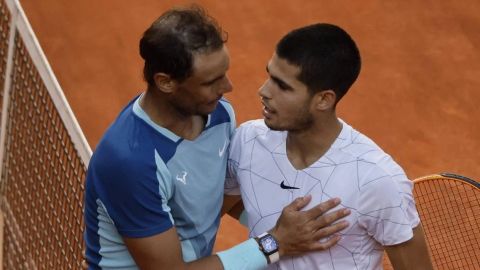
x: 199, y: 94
x: 286, y: 100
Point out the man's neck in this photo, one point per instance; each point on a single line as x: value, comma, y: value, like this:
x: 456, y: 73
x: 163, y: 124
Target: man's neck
x: 164, y: 114
x: 307, y: 146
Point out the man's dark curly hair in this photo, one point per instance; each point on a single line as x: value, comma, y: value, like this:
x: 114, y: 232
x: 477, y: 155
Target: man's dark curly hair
x: 169, y: 43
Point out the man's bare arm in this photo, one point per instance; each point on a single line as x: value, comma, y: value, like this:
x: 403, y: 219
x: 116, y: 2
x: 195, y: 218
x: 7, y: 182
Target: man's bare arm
x: 411, y: 255
x: 296, y: 231
x: 163, y: 251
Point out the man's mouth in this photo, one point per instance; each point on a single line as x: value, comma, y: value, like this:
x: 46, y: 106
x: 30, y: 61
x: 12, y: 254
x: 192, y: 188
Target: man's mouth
x: 215, y: 101
x: 267, y: 111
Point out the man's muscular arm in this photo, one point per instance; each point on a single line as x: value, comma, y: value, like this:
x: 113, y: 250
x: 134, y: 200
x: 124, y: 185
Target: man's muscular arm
x: 163, y: 251
x: 296, y: 232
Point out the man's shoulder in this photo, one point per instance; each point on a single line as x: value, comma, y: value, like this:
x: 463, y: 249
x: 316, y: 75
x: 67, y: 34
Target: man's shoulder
x: 256, y: 126
x: 254, y: 129
x: 126, y: 144
x: 366, y: 152
x: 356, y: 144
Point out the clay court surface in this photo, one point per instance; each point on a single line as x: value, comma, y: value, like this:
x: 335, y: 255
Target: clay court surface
x: 418, y: 95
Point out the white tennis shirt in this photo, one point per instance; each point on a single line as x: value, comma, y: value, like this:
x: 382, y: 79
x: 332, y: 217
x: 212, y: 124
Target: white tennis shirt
x: 355, y: 169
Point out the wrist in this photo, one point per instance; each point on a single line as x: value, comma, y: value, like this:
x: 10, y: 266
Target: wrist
x: 269, y: 246
x: 280, y: 242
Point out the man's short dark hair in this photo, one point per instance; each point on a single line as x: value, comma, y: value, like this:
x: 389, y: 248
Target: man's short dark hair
x: 327, y: 56
x: 169, y: 43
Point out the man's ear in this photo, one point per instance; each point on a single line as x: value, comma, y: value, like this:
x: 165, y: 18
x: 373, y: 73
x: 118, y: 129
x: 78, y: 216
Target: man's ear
x: 324, y: 100
x: 164, y: 82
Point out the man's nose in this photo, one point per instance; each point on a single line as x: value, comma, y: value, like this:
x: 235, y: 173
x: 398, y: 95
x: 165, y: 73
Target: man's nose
x: 264, y: 90
x: 228, y: 86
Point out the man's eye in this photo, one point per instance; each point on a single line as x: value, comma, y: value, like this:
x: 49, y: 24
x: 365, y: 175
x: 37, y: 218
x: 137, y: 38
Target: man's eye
x: 214, y: 81
x: 282, y: 86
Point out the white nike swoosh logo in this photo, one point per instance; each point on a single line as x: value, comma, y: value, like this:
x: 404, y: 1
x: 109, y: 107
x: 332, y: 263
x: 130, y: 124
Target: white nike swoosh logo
x: 222, y: 150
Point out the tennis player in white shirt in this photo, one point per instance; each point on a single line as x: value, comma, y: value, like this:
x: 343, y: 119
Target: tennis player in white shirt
x: 301, y: 148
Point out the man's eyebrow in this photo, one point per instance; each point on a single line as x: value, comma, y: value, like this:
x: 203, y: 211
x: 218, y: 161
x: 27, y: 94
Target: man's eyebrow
x: 279, y: 81
x: 213, y: 80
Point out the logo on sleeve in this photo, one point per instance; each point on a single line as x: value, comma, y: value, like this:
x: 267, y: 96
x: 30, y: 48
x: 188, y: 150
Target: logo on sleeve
x: 182, y: 177
x: 282, y: 185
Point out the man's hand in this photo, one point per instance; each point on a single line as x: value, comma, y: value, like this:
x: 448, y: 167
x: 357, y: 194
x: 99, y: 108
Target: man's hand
x: 301, y: 231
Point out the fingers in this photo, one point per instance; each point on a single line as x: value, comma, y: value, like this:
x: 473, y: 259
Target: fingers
x: 311, y: 230
x: 321, y: 208
x: 324, y: 226
x: 325, y: 237
x: 330, y: 218
x: 330, y: 230
x: 298, y: 203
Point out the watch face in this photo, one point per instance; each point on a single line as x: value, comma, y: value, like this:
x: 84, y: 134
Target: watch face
x: 269, y: 244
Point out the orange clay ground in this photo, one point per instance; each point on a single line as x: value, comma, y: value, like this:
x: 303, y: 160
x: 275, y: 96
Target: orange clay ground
x: 418, y: 95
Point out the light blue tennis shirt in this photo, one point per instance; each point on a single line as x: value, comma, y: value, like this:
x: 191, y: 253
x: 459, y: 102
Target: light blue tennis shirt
x: 143, y: 179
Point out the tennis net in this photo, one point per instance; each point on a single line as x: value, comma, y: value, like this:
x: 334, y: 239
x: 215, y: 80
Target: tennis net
x: 43, y: 155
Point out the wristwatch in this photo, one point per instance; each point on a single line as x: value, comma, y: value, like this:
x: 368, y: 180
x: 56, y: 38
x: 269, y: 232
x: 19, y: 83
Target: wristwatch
x: 269, y: 246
